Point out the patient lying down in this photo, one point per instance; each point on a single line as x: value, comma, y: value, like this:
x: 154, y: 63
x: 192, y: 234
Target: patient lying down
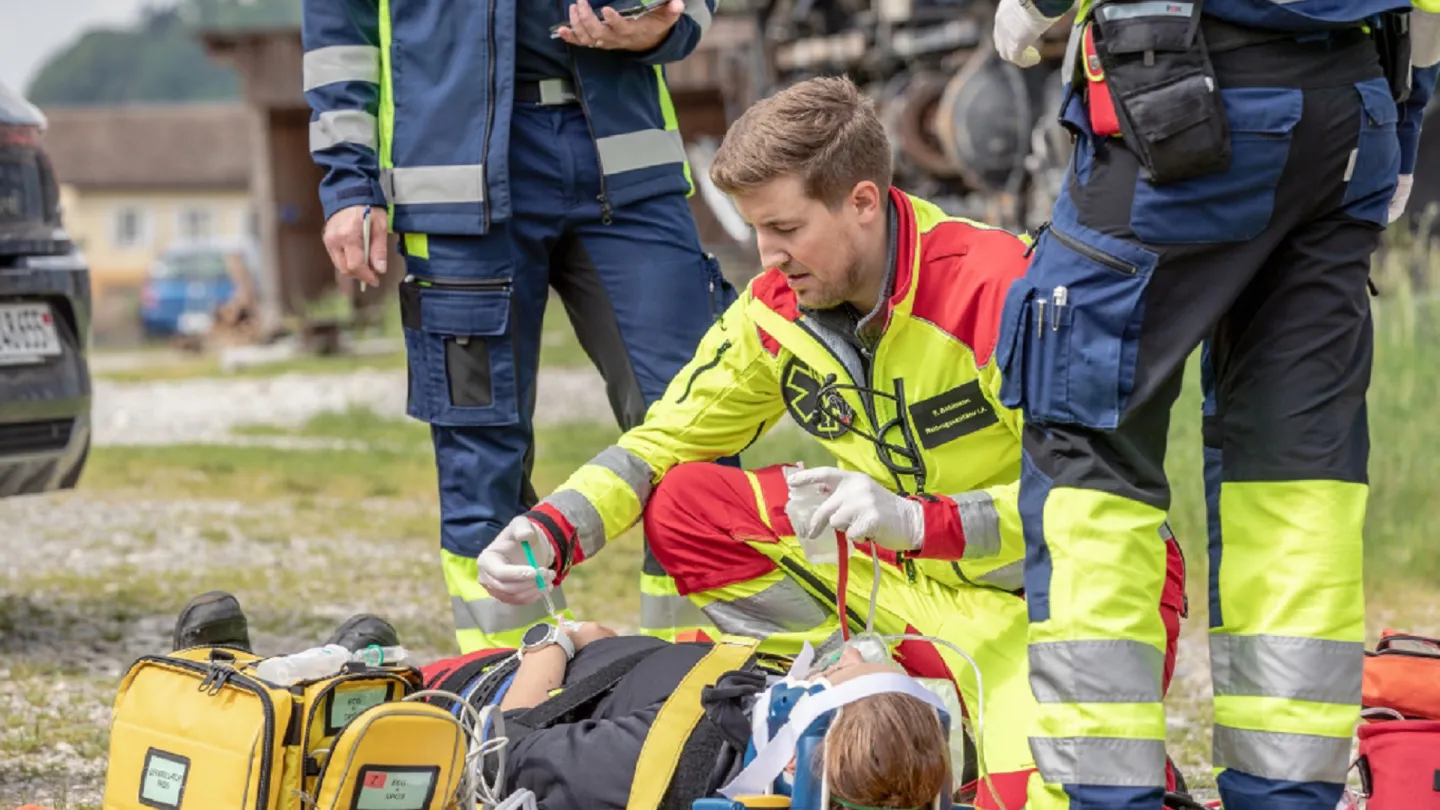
x: 886, y: 746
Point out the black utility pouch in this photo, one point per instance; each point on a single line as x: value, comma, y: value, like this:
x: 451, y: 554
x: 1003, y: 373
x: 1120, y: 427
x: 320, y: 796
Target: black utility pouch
x: 1392, y: 40
x: 1164, y: 88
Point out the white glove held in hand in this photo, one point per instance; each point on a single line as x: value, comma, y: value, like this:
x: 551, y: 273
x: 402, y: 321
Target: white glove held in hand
x: 505, y: 572
x: 858, y: 506
x: 1424, y: 38
x: 1017, y: 25
x: 1402, y: 196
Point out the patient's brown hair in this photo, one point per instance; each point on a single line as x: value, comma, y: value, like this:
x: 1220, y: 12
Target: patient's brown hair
x: 822, y: 130
x: 887, y: 750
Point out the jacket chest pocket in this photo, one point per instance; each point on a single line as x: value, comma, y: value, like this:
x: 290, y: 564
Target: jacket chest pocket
x: 462, y: 365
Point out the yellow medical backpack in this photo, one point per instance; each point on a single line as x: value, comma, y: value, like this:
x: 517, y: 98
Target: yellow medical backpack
x: 197, y: 730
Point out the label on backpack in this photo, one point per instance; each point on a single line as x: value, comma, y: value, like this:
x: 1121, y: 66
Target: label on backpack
x: 162, y: 784
x: 347, y: 704
x: 395, y: 788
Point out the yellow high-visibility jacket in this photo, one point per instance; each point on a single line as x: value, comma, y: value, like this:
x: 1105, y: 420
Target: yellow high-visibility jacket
x: 765, y: 358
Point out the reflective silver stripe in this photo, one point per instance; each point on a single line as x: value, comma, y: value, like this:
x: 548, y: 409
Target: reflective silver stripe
x: 631, y: 468
x: 341, y: 63
x: 670, y: 611
x: 980, y: 521
x: 1287, y: 667
x: 784, y: 607
x: 589, y: 528
x: 429, y: 185
x: 334, y: 127
x: 1108, y: 671
x: 700, y: 13
x: 1009, y: 577
x: 493, y: 616
x: 641, y: 149
x: 1279, y: 755
x: 1100, y: 761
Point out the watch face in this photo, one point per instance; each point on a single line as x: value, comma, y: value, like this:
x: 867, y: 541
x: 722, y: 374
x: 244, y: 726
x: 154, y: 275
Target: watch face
x: 537, y: 634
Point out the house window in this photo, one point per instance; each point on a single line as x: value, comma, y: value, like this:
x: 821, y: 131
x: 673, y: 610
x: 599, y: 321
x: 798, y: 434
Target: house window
x: 194, y: 222
x: 131, y: 227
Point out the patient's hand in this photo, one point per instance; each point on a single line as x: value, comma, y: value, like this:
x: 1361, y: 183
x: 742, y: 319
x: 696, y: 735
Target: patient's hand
x: 588, y: 632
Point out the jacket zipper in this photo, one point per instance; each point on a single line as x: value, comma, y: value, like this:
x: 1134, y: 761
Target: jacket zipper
x: 215, y: 678
x: 857, y: 622
x: 605, y: 210
x: 715, y: 361
x: 489, y: 122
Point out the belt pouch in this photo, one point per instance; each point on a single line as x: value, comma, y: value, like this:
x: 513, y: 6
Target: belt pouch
x: 1163, y: 86
x: 1392, y: 41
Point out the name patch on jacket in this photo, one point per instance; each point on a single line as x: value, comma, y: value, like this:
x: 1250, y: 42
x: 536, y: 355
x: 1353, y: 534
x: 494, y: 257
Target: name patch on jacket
x: 948, y: 416
x: 800, y: 386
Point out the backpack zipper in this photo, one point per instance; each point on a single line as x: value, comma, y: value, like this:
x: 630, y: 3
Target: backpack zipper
x: 215, y: 679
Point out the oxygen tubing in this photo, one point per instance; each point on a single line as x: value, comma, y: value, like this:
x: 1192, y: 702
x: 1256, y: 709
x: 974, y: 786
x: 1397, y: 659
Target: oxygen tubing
x: 844, y: 578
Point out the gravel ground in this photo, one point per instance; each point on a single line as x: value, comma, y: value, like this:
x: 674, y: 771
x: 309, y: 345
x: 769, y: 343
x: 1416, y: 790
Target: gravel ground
x: 207, y: 409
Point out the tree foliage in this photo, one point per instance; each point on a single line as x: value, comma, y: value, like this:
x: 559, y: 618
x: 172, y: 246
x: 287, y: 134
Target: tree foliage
x: 157, y: 60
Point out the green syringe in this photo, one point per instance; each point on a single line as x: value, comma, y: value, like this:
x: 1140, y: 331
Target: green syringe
x: 540, y: 581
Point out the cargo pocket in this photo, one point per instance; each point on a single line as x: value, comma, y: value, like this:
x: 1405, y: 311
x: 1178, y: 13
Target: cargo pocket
x: 1234, y: 204
x: 460, y: 350
x: 1374, y: 166
x: 1067, y: 349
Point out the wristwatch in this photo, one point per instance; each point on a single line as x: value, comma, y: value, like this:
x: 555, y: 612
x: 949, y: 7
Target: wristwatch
x: 543, y: 635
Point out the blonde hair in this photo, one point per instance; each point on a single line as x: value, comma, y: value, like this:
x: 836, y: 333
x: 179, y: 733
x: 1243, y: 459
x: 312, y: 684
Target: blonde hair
x: 822, y: 130
x: 887, y: 751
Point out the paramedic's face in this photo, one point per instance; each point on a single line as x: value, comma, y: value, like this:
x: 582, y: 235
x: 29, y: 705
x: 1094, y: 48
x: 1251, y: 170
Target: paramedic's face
x: 818, y: 248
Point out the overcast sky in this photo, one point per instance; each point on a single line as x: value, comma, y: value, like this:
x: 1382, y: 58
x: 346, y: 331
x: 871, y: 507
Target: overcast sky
x: 32, y: 30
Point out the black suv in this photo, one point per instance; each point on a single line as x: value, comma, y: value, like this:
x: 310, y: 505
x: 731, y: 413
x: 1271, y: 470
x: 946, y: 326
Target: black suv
x: 44, y: 317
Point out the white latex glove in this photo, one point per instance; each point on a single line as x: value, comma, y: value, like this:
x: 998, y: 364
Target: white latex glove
x: 1424, y: 38
x: 1402, y: 196
x: 1017, y: 25
x: 505, y: 572
x: 862, y: 509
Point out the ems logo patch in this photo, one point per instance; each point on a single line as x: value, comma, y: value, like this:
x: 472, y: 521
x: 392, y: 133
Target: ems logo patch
x: 800, y: 386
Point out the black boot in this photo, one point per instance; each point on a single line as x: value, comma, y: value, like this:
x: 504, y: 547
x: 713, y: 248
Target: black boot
x: 362, y: 630
x: 212, y: 619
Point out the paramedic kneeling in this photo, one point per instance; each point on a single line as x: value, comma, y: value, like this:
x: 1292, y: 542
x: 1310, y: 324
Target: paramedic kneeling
x: 874, y: 329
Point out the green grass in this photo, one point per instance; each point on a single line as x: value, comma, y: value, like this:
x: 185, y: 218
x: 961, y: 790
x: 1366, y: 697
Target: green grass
x: 184, y: 368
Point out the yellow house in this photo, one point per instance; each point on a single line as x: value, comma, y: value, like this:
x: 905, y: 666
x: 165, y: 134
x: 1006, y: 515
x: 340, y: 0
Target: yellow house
x: 136, y: 178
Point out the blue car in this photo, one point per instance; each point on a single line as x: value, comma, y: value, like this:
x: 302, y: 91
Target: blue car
x: 190, y: 280
x: 44, y: 317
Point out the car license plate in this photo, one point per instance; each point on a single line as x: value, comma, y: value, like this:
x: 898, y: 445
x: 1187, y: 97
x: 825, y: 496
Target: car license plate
x: 195, y: 323
x: 27, y: 334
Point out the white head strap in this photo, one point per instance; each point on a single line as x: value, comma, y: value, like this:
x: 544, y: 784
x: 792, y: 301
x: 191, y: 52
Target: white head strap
x: 776, y: 753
